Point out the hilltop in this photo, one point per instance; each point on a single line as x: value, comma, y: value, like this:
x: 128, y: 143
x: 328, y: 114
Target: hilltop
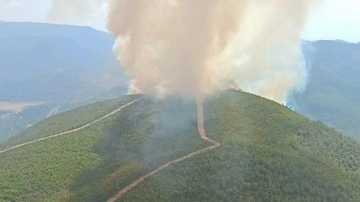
x: 64, y: 66
x: 265, y: 151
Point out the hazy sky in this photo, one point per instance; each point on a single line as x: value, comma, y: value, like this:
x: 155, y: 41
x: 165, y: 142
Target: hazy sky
x: 334, y: 19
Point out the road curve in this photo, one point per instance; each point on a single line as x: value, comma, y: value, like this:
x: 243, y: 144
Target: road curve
x: 72, y: 130
x: 202, y: 134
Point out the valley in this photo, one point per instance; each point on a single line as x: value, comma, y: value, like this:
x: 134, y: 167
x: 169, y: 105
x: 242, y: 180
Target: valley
x: 17, y: 107
x: 72, y: 130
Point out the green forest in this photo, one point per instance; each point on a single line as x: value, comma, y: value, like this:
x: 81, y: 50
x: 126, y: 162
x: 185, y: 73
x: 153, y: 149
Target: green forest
x: 268, y: 153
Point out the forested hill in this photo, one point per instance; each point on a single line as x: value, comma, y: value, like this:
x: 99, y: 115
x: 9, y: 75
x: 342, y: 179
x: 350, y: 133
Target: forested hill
x: 267, y: 152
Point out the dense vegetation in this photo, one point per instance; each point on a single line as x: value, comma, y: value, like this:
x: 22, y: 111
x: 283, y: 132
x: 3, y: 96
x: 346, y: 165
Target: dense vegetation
x: 69, y: 120
x: 267, y: 153
x: 93, y: 164
x: 151, y: 134
x: 43, y: 171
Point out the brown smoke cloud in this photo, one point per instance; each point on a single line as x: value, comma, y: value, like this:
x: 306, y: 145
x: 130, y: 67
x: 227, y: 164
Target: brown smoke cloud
x: 189, y: 47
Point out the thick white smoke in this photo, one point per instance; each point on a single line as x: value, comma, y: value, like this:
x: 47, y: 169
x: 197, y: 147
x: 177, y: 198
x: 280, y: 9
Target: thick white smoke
x: 189, y: 47
x: 265, y: 56
x: 192, y: 47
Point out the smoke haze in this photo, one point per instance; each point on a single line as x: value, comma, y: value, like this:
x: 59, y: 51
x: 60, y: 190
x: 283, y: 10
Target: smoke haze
x: 75, y: 11
x: 265, y: 57
x: 191, y: 47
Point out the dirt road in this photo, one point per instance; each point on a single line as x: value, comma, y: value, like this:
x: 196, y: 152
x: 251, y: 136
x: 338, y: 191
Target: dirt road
x: 202, y: 134
x: 73, y: 130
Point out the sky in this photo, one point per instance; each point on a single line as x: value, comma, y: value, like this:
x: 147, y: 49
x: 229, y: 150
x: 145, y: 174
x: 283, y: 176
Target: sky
x: 335, y: 19
x: 332, y: 19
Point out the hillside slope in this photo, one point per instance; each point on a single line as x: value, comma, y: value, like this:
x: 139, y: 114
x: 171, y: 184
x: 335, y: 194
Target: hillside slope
x: 333, y: 90
x: 267, y: 152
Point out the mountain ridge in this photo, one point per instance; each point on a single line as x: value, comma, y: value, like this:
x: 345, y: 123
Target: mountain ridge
x: 72, y: 81
x: 333, y: 89
x: 58, y: 65
x: 267, y: 152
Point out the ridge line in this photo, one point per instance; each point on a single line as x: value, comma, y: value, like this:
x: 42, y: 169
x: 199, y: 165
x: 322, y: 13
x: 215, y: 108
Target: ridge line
x: 72, y: 130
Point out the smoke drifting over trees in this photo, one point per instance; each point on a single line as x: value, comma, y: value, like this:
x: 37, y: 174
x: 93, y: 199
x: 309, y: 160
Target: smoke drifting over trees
x: 188, y: 47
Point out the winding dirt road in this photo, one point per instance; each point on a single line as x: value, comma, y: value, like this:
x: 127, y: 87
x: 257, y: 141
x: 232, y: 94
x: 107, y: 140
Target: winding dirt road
x: 72, y: 130
x: 202, y: 133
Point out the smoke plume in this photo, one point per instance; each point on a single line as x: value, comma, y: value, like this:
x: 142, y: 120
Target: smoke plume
x: 189, y: 47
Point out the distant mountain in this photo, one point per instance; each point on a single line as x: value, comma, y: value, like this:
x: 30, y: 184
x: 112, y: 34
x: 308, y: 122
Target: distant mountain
x: 333, y: 90
x: 55, y: 65
x: 36, y: 58
x: 266, y: 152
x: 70, y: 65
